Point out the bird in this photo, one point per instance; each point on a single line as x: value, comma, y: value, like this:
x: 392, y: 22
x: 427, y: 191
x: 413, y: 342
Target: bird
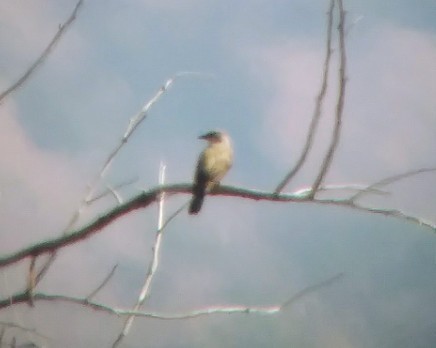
x: 213, y: 163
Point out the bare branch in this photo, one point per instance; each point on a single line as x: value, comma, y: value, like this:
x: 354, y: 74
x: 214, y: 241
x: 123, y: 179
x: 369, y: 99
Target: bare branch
x: 307, y: 191
x: 144, y: 199
x: 153, y: 264
x: 141, y: 201
x: 386, y: 212
x: 31, y: 279
x: 318, y: 105
x: 340, y: 103
x: 23, y: 297
x: 311, y: 289
x: 115, y: 194
x: 390, y: 180
x: 132, y: 126
x: 23, y: 328
x: 222, y: 309
x: 62, y: 29
x: 134, y: 123
x: 44, y: 269
x: 103, y: 283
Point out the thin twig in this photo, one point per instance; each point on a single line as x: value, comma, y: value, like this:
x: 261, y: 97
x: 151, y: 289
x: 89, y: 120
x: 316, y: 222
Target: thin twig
x: 115, y: 194
x: 31, y: 280
x: 339, y: 105
x: 352, y: 25
x: 153, y: 264
x: 396, y: 213
x: 311, y: 289
x: 359, y: 188
x: 23, y: 328
x: 390, y: 180
x: 62, y: 29
x: 103, y: 283
x: 44, y: 269
x: 318, y: 105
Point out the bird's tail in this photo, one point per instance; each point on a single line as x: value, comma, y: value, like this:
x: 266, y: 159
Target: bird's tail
x: 199, y: 192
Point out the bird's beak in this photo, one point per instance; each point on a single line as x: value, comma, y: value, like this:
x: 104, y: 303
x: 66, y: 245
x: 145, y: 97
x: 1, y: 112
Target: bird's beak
x: 204, y: 136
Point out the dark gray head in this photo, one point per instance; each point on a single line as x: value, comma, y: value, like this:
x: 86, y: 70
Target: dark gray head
x: 214, y: 136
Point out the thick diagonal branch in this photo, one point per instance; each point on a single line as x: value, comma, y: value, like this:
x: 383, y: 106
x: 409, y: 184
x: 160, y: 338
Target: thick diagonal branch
x: 146, y: 198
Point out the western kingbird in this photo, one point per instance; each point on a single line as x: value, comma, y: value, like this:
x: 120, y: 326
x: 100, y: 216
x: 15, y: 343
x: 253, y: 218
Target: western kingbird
x: 213, y: 163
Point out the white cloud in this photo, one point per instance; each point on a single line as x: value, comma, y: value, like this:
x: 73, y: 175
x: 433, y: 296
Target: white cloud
x: 38, y: 188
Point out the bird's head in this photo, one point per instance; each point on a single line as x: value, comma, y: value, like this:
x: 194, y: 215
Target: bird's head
x: 214, y: 136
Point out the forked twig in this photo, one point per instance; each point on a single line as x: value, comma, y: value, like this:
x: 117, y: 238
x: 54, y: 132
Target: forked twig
x: 339, y: 105
x: 318, y: 105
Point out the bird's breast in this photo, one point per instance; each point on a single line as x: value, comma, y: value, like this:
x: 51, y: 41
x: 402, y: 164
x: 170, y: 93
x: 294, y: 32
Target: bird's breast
x: 217, y: 159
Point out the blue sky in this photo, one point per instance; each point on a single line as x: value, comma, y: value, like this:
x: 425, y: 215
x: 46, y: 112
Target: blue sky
x: 260, y: 65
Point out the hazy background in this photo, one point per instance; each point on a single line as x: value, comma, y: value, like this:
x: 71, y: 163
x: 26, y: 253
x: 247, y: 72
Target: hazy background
x: 262, y: 62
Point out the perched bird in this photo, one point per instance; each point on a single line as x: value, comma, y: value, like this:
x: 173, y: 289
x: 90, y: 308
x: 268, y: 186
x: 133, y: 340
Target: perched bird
x: 213, y: 163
